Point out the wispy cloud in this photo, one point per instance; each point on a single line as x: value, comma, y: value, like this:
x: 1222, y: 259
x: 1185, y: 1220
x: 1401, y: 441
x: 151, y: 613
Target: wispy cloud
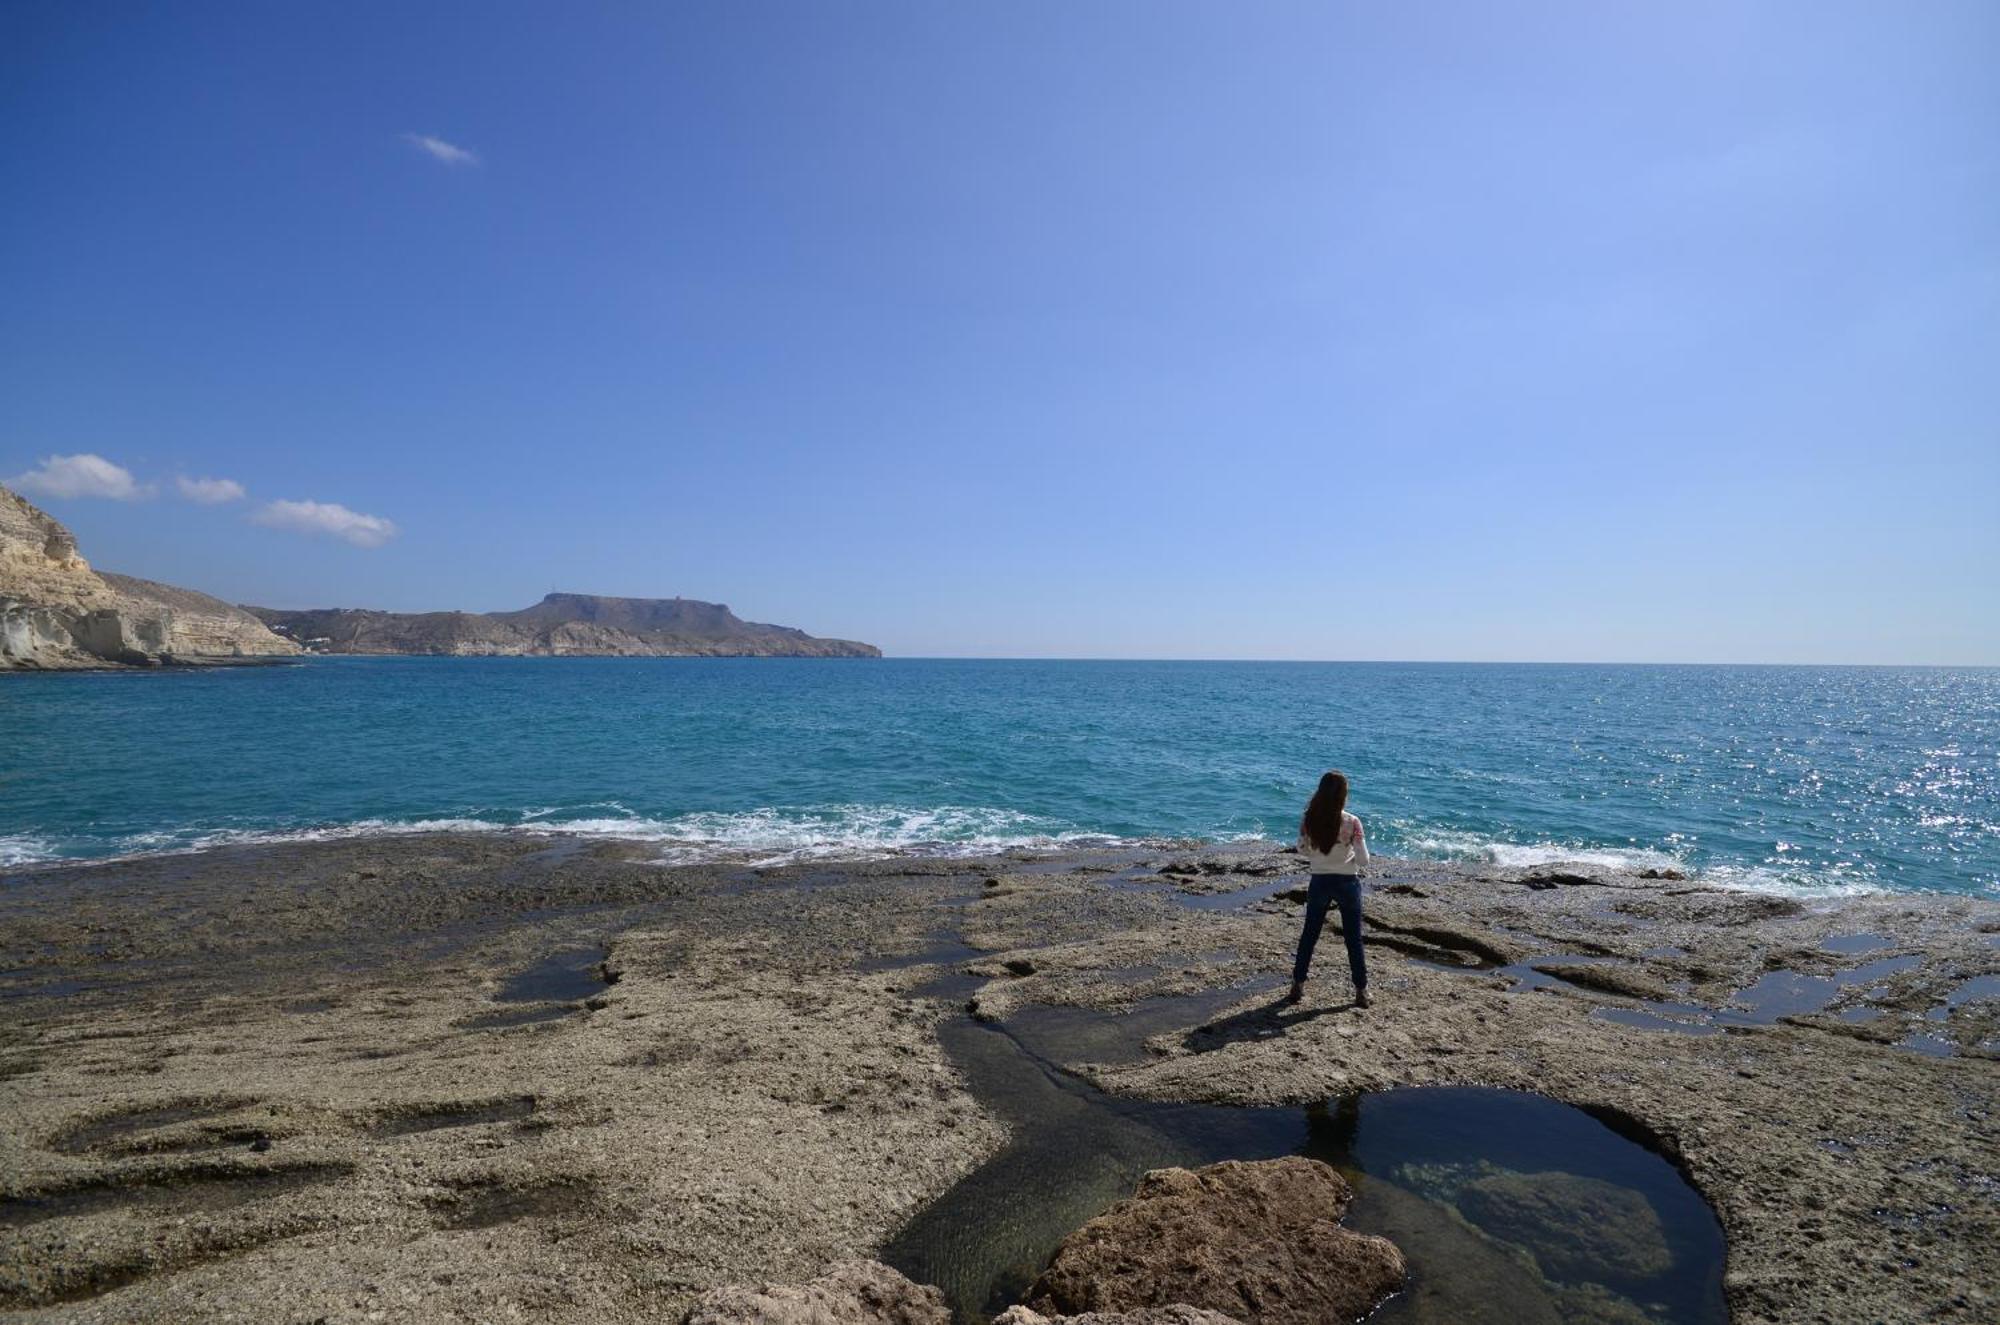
x: 325, y: 517
x: 440, y: 150
x: 210, y: 491
x: 80, y: 476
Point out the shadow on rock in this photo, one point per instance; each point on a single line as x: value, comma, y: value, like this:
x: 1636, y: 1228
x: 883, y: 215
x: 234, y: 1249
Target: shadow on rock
x: 1267, y: 1021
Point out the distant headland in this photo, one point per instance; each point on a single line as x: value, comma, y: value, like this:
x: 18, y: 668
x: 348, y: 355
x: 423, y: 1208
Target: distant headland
x: 561, y: 624
x: 57, y: 613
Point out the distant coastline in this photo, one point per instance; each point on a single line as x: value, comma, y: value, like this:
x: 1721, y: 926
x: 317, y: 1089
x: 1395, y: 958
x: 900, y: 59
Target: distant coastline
x: 59, y: 614
x: 561, y: 625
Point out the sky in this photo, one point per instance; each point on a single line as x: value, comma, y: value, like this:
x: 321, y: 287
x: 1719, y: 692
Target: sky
x: 1583, y: 331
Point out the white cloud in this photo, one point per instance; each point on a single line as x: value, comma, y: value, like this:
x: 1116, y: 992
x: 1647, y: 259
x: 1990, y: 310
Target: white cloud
x: 209, y: 491
x: 440, y: 150
x: 80, y: 476
x: 325, y: 517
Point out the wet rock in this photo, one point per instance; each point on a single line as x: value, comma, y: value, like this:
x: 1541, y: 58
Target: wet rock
x: 1259, y: 1242
x: 1178, y: 1314
x: 1621, y: 980
x: 1576, y: 1227
x: 1672, y: 876
x: 1559, y: 879
x: 850, y: 1293
x: 1018, y: 966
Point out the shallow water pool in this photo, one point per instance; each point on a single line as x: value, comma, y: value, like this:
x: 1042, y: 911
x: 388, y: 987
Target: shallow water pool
x: 1499, y: 1199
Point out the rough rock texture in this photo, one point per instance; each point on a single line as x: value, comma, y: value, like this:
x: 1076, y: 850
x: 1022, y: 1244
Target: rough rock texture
x: 1852, y: 1164
x: 56, y: 612
x: 1577, y: 1225
x: 194, y: 624
x: 45, y: 587
x: 1260, y: 1242
x: 851, y: 1293
x: 762, y: 1091
x: 561, y: 624
x: 1178, y: 1314
x: 739, y: 1104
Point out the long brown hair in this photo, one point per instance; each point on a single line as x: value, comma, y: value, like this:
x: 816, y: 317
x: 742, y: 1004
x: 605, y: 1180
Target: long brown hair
x: 1321, y: 824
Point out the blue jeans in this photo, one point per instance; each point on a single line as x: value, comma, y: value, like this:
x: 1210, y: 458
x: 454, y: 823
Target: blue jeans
x: 1325, y: 890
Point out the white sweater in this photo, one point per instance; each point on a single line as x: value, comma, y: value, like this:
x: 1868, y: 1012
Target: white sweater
x: 1349, y: 854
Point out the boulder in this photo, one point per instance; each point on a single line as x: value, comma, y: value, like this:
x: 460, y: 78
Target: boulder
x: 850, y: 1293
x: 1260, y: 1243
x: 1178, y: 1314
x: 1577, y: 1228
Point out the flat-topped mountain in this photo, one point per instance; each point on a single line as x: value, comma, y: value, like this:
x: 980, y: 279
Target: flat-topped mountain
x: 561, y: 624
x: 56, y: 612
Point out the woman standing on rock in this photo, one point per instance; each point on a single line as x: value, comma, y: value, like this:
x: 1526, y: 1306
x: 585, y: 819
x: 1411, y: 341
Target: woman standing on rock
x: 1330, y: 839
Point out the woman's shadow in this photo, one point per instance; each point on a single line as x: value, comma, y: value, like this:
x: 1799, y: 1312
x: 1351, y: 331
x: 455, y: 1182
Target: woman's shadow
x: 1266, y: 1021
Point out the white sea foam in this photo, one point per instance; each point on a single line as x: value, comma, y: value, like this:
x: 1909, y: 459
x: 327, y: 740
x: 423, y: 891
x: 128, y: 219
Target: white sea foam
x: 834, y: 832
x: 165, y: 843
x: 1762, y: 879
x: 775, y: 836
x: 20, y: 849
x: 335, y: 832
x: 758, y: 837
x: 1449, y: 844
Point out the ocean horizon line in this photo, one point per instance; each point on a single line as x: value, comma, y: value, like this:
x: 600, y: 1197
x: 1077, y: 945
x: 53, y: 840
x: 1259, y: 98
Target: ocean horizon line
x: 1151, y: 658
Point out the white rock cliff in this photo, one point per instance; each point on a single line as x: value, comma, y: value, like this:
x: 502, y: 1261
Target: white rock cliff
x: 56, y: 612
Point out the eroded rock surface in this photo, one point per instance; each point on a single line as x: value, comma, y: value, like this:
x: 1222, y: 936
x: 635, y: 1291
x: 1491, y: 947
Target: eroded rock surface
x: 355, y: 1127
x: 1260, y: 1242
x: 851, y: 1293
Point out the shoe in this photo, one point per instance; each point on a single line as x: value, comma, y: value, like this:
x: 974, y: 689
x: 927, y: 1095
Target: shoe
x: 1298, y: 991
x: 1361, y: 999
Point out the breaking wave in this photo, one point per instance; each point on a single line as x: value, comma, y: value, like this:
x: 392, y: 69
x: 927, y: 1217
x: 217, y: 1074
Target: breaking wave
x: 1447, y: 844
x: 756, y: 837
x: 776, y: 836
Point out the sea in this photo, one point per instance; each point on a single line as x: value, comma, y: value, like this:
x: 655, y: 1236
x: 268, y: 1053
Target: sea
x: 1814, y: 781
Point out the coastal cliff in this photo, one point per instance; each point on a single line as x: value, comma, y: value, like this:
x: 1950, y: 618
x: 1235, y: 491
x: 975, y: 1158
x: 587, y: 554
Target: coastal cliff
x: 58, y: 613
x: 562, y: 624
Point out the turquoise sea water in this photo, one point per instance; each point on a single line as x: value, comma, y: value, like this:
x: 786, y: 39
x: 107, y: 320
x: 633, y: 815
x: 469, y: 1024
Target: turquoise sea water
x: 1803, y: 779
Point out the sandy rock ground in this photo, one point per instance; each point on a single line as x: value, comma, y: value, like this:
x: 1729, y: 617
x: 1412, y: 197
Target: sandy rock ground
x: 491, y: 1077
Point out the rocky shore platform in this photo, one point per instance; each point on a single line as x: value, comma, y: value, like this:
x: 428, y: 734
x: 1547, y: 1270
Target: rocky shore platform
x: 495, y: 1077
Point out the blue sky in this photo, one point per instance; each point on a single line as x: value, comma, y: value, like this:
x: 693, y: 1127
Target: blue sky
x: 1540, y: 331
